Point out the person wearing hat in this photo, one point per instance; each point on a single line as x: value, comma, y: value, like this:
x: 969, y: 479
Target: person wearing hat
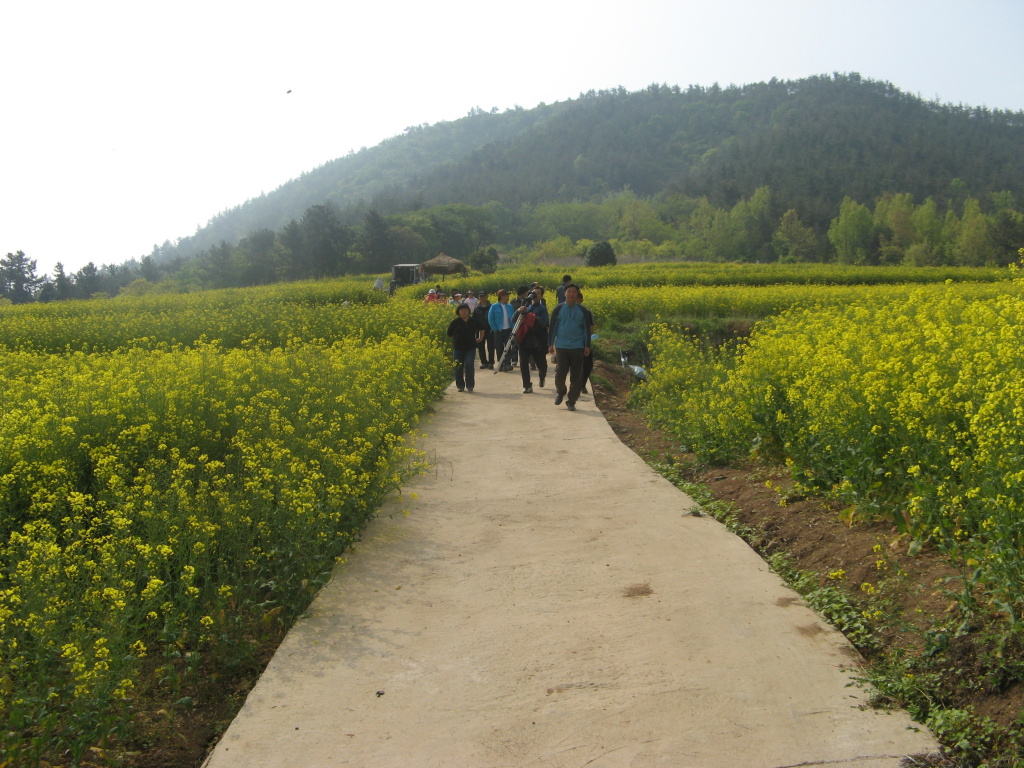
x: 431, y: 297
x: 499, y: 317
x: 471, y: 300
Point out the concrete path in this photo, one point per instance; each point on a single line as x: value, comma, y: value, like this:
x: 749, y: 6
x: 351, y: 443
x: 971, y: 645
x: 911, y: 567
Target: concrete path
x: 549, y: 601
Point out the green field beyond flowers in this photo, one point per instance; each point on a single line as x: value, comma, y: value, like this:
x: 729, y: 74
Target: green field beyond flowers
x: 178, y: 474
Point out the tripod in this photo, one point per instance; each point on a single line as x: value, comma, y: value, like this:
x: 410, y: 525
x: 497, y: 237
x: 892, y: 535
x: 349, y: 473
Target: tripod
x: 511, y: 340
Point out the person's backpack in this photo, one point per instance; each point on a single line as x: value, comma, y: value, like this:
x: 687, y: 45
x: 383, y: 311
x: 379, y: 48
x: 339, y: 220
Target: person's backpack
x: 528, y: 319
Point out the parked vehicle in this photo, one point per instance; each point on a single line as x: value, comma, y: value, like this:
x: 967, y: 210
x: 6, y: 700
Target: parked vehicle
x: 405, y: 274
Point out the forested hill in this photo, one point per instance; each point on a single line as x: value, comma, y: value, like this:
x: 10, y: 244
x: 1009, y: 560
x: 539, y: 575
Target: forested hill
x: 811, y: 141
x: 375, y: 174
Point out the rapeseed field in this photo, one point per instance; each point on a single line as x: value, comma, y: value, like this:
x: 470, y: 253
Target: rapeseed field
x: 908, y: 409
x: 175, y: 475
x: 179, y: 473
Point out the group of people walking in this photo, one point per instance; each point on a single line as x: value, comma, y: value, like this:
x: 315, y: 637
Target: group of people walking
x: 438, y: 296
x: 565, y: 333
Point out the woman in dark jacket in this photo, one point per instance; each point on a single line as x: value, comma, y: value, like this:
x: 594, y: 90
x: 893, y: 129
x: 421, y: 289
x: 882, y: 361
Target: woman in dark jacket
x: 465, y: 334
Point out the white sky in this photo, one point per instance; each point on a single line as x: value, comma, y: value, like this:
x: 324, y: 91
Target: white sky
x: 124, y: 124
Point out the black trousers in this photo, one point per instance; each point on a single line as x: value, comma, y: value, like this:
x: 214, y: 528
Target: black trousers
x: 486, y: 349
x: 538, y: 357
x: 501, y: 339
x: 570, y: 363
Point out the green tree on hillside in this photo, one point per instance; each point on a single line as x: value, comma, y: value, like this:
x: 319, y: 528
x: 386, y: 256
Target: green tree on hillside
x: 1007, y: 236
x: 63, y: 285
x: 850, y: 233
x: 408, y: 245
x: 972, y: 246
x: 751, y: 228
x: 220, y: 267
x: 460, y: 229
x: 149, y: 270
x: 485, y: 260
x: 637, y: 219
x: 793, y: 241
x: 18, y: 279
x: 894, y: 227
x: 928, y: 225
x: 375, y: 243
x: 706, y: 236
x: 290, y: 238
x: 88, y: 281
x: 577, y: 221
x: 601, y: 255
x: 325, y: 242
x: 262, y: 258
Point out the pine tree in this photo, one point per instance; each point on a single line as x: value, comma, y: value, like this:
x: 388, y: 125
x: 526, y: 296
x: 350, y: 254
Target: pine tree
x: 18, y: 279
x: 601, y: 254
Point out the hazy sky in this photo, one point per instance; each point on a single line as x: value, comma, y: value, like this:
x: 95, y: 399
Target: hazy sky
x: 125, y: 124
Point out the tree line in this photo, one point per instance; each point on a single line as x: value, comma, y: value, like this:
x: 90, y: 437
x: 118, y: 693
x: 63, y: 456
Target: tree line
x: 956, y: 230
x: 20, y: 282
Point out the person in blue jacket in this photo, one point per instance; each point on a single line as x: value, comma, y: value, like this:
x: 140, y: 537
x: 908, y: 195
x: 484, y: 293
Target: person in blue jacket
x: 569, y: 332
x: 500, y: 319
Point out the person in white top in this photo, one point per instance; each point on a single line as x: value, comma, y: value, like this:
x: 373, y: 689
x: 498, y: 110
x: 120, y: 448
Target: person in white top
x: 499, y: 317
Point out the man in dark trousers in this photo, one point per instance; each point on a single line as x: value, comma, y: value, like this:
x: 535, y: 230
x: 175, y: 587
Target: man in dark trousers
x: 499, y: 317
x: 486, y: 347
x: 533, y: 340
x: 569, y: 341
x: 588, y: 361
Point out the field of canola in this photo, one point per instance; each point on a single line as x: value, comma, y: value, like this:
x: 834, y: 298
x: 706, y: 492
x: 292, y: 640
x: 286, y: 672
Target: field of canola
x: 178, y: 474
x: 909, y: 410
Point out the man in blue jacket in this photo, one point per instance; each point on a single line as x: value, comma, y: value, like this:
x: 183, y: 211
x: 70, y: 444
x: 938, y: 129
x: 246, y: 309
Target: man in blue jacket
x: 569, y: 340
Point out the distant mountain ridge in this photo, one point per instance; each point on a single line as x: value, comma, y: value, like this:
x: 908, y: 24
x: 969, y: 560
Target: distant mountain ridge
x: 811, y: 141
x: 376, y: 172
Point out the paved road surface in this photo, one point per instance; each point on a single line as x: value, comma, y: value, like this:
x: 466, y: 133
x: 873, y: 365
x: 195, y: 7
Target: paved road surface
x: 550, y: 601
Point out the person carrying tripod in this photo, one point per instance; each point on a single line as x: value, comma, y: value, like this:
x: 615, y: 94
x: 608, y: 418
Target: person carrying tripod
x: 533, y: 335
